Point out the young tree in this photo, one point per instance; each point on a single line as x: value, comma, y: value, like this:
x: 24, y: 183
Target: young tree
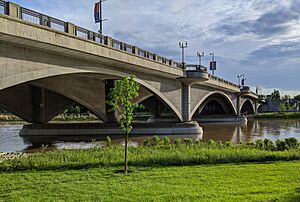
x: 121, y: 99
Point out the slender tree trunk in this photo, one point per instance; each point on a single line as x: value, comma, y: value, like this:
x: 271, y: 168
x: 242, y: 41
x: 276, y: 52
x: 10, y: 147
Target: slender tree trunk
x: 126, y: 152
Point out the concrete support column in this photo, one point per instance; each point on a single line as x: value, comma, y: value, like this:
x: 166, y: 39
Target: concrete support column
x: 186, y: 105
x: 71, y: 28
x: 39, y: 105
x: 13, y: 10
x: 135, y: 50
x: 238, y: 105
x: 110, y: 115
x: 109, y: 41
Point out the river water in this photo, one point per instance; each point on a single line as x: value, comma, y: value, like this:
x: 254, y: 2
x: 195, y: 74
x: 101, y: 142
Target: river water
x: 10, y: 141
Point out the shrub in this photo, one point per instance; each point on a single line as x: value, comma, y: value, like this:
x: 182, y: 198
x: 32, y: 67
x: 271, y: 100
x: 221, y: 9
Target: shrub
x: 177, y: 141
x: 147, y: 142
x: 250, y: 144
x: 108, y: 141
x: 188, y: 141
x: 292, y: 142
x: 268, y: 144
x: 155, y: 140
x: 166, y: 141
x: 259, y: 144
x: 211, y: 142
x: 281, y: 145
x: 228, y: 144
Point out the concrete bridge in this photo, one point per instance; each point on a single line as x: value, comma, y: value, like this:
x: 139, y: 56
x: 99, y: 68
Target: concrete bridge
x: 47, y: 64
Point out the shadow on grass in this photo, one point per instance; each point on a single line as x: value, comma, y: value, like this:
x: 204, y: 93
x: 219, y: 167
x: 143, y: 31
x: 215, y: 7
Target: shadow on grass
x: 295, y: 197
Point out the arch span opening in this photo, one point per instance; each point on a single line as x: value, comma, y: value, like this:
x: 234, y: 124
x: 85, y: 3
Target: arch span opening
x: 215, y: 105
x: 247, y: 108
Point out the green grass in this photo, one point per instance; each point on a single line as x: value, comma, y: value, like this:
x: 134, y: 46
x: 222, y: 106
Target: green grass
x: 278, y: 181
x: 278, y: 115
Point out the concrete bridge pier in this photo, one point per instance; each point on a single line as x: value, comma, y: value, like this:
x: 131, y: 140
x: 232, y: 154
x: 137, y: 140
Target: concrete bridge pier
x: 186, y: 102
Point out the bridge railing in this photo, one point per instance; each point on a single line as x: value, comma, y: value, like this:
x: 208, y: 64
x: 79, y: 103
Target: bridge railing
x: 41, y: 19
x: 3, y: 7
x: 222, y: 80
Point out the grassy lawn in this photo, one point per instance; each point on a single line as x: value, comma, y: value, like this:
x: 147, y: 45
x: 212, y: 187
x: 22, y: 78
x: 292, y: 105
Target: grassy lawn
x: 230, y: 182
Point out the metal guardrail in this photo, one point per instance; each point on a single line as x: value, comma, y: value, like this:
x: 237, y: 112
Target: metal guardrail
x: 59, y: 25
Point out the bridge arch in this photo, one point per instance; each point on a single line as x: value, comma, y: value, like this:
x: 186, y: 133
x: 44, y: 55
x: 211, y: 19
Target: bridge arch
x: 28, y: 77
x: 207, y: 98
x: 247, y: 107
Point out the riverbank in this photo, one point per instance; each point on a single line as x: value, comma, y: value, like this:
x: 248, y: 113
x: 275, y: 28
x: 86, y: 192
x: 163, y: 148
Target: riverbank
x: 278, y: 115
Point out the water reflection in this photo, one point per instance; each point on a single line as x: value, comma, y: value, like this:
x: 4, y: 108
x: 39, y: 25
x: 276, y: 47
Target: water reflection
x: 273, y: 129
x: 253, y: 130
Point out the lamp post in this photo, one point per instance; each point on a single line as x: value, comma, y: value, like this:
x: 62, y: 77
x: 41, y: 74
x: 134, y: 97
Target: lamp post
x: 200, y: 55
x: 183, y: 45
x: 241, y: 77
x: 100, y: 17
x: 213, y: 63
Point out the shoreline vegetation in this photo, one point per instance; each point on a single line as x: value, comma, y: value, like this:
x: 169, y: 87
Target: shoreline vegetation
x: 278, y: 115
x: 155, y: 152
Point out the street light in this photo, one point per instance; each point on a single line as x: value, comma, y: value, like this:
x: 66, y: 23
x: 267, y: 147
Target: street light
x: 182, y: 45
x: 213, y: 63
x: 242, y: 78
x: 200, y: 55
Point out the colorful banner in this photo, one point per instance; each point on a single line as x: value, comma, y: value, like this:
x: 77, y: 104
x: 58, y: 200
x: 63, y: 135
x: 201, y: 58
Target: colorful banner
x: 97, y: 12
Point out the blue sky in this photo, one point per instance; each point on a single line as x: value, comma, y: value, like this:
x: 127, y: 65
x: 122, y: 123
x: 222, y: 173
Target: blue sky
x: 259, y: 38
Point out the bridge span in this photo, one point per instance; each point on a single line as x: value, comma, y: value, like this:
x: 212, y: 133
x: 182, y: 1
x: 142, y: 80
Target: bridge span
x: 47, y: 64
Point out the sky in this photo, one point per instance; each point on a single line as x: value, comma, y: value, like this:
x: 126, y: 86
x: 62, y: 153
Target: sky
x: 257, y: 38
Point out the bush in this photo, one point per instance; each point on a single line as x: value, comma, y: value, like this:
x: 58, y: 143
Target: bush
x: 108, y: 141
x: 211, y: 142
x: 281, y: 145
x: 155, y: 140
x: 259, y: 144
x: 188, y: 141
x: 146, y: 142
x: 177, y: 142
x: 292, y: 143
x: 228, y: 144
x: 268, y: 144
x: 166, y: 141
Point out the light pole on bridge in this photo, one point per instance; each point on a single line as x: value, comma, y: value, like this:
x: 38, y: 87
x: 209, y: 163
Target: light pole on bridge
x: 200, y: 55
x: 183, y: 45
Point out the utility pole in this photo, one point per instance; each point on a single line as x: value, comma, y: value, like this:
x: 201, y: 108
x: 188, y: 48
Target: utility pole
x: 200, y: 55
x: 183, y: 45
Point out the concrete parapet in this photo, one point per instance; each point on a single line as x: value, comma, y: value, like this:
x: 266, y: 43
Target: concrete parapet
x: 71, y: 28
x: 109, y: 41
x: 13, y: 10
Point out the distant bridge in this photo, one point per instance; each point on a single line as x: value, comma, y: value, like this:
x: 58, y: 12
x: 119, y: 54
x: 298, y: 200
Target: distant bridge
x: 47, y: 64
